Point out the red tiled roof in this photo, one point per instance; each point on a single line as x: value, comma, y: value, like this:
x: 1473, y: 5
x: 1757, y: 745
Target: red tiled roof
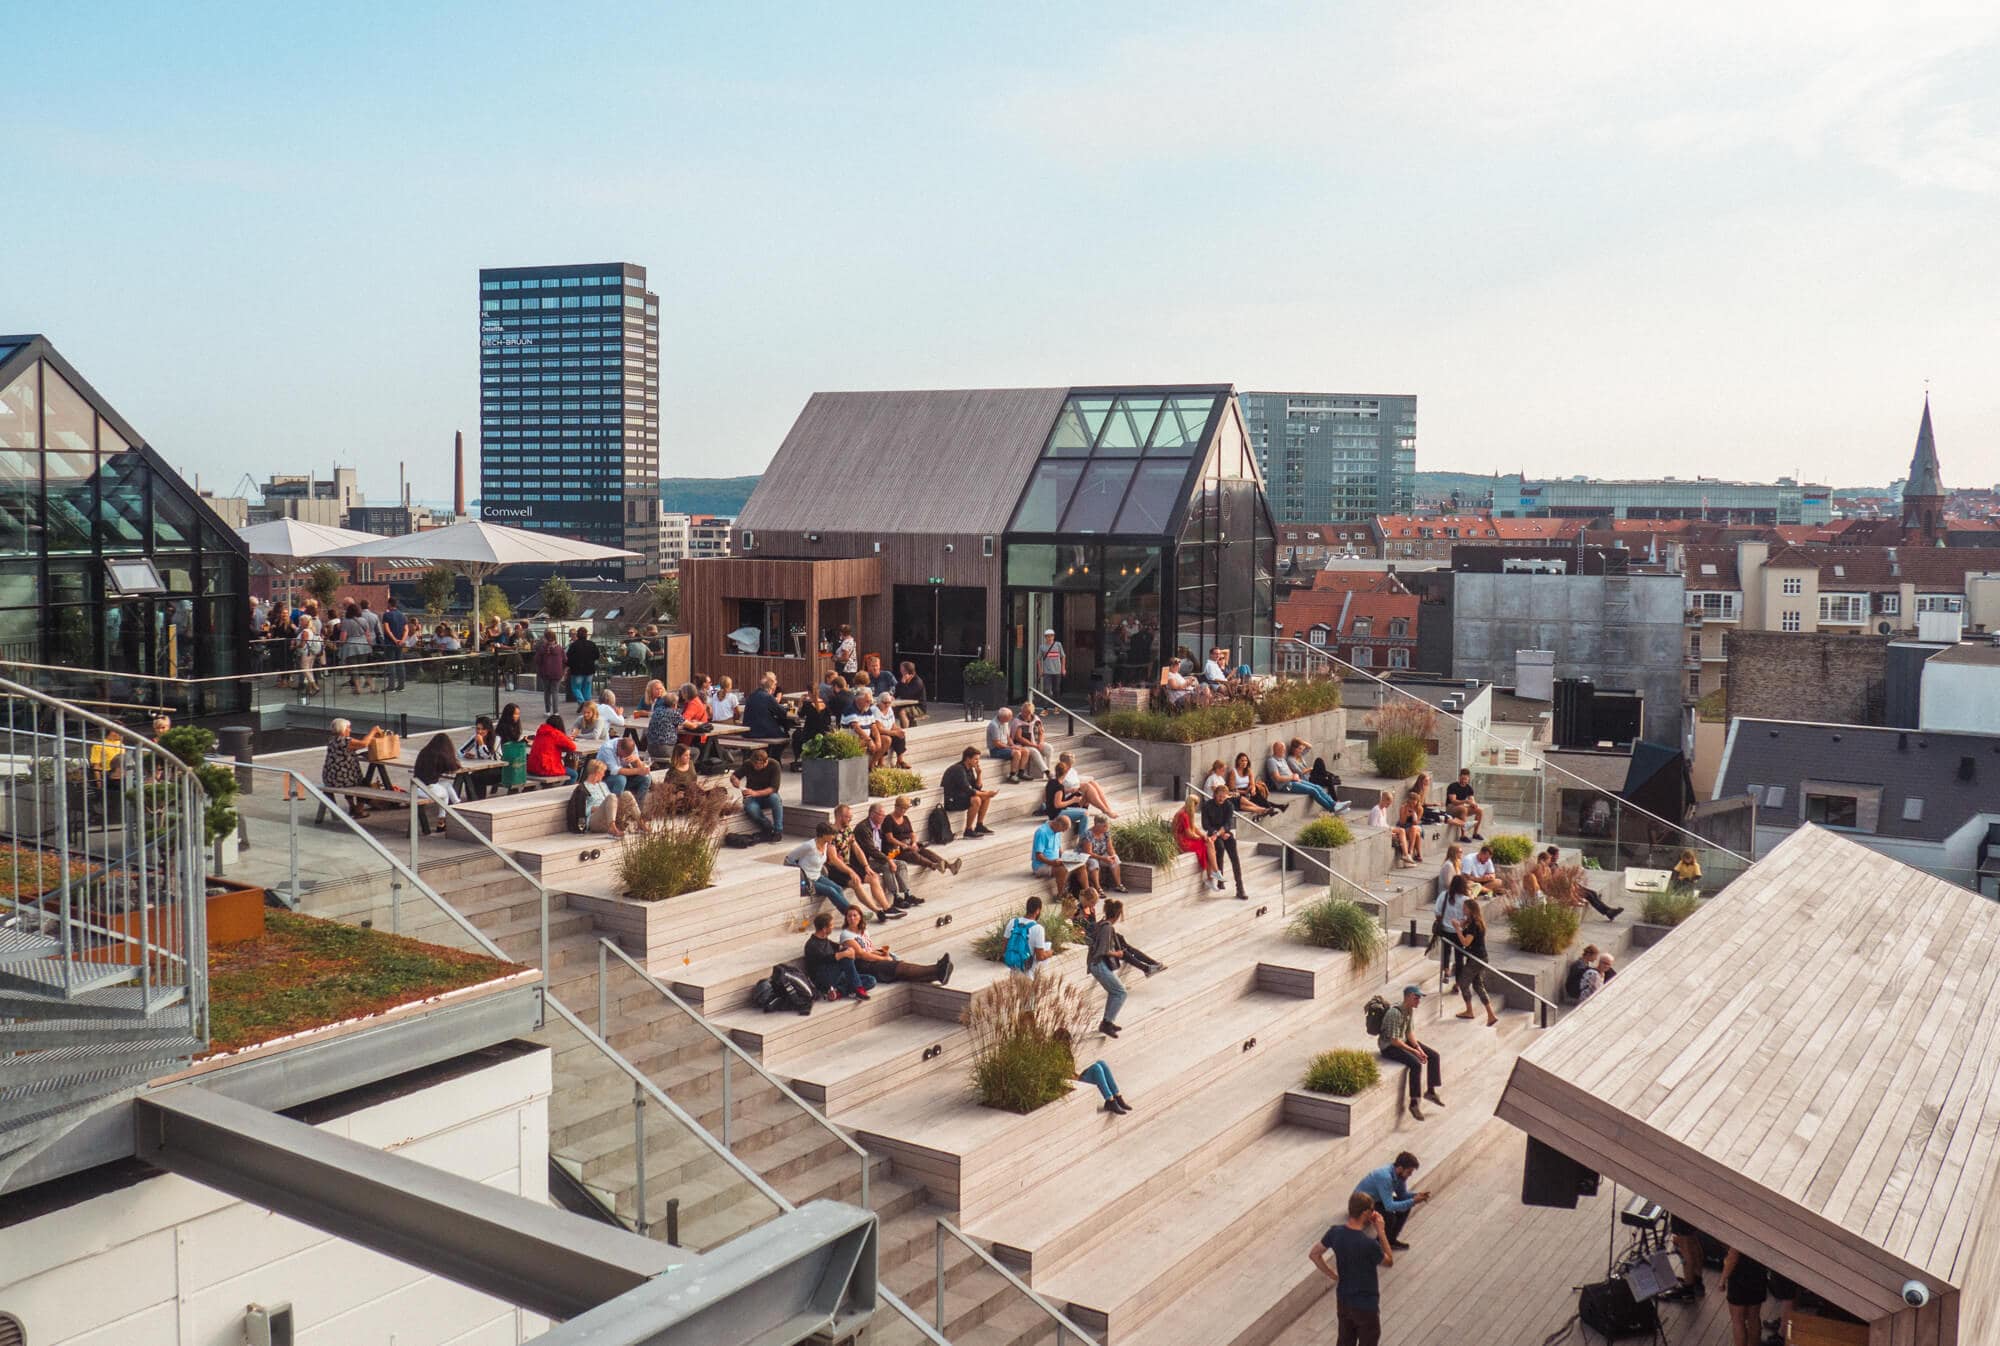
x: 1471, y: 527
x: 1356, y: 581
x: 1538, y: 530
x: 1306, y: 608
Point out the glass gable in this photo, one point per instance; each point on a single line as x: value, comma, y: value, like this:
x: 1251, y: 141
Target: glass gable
x: 1090, y: 480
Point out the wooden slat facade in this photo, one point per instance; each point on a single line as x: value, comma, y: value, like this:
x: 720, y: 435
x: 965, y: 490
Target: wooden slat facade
x: 711, y: 587
x: 1809, y: 1068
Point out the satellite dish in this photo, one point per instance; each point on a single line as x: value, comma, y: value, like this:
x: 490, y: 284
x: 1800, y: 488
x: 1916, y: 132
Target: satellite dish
x: 1883, y: 628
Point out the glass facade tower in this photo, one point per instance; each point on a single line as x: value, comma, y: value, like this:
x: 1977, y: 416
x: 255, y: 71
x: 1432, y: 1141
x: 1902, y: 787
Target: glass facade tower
x: 569, y: 406
x: 1334, y: 457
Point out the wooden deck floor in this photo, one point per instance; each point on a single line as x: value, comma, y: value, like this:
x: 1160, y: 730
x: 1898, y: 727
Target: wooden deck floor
x: 1484, y: 1268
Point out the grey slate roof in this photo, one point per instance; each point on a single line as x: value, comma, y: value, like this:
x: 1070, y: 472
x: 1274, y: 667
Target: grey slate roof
x: 1967, y: 653
x: 1906, y: 763
x: 905, y: 462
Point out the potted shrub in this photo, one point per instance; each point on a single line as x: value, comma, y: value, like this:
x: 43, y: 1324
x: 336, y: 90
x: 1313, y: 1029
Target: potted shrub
x: 1544, y: 927
x: 1398, y: 755
x: 886, y: 782
x: 1145, y: 840
x: 676, y: 856
x: 1662, y: 912
x: 1337, y: 923
x: 833, y: 770
x: 1343, y: 1073
x: 1022, y: 1031
x: 1319, y: 839
x: 982, y: 676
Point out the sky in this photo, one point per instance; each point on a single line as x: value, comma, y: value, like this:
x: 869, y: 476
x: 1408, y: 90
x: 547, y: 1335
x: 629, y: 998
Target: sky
x: 1715, y: 239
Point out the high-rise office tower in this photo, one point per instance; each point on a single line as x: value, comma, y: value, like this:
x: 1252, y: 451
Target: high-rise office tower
x: 569, y: 405
x: 1334, y: 457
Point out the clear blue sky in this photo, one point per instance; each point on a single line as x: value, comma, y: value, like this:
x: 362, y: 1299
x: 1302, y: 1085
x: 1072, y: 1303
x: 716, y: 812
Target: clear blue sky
x: 1702, y: 242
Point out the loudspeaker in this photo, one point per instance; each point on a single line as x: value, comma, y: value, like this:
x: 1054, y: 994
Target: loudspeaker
x: 1551, y: 1178
x: 1608, y: 1309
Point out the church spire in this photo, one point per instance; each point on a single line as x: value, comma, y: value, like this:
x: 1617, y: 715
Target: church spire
x: 1925, y: 477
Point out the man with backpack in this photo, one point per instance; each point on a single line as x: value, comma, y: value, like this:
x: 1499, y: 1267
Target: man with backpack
x: 1026, y: 945
x: 1397, y: 1041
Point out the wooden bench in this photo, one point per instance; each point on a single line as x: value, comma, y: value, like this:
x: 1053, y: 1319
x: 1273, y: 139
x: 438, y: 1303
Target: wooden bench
x: 370, y: 793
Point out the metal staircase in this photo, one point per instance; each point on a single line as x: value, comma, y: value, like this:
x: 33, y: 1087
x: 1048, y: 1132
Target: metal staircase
x: 103, y: 931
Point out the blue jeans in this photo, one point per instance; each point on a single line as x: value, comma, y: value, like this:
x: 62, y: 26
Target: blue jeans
x: 845, y: 977
x: 640, y: 786
x: 579, y: 687
x: 1079, y: 821
x: 832, y: 892
x: 767, y: 811
x: 1317, y: 794
x: 1114, y: 991
x: 1099, y: 1074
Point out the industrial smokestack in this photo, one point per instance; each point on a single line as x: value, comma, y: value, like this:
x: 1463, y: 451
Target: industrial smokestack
x: 402, y: 485
x: 458, y: 474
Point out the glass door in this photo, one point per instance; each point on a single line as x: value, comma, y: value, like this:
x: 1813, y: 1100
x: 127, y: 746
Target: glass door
x: 1029, y: 613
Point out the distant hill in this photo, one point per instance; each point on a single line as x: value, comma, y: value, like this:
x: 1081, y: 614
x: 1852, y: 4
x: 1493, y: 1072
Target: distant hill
x: 705, y: 495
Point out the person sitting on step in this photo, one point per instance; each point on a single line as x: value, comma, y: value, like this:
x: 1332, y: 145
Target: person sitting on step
x: 1218, y: 820
x: 609, y: 813
x: 1383, y: 815
x: 1052, y: 856
x: 880, y: 853
x: 875, y: 960
x: 1252, y: 796
x: 1103, y: 853
x: 898, y: 828
x: 1193, y: 839
x: 835, y: 969
x: 1030, y: 736
x: 1421, y: 1062
x: 1087, y: 786
x: 1464, y: 807
x: 962, y: 788
x: 1284, y: 779
x: 869, y: 883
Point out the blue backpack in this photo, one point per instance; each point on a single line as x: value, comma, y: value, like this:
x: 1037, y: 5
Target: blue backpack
x: 1019, y: 953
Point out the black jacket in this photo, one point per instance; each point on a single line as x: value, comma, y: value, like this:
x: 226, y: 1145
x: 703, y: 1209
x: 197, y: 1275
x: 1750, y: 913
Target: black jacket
x: 581, y: 657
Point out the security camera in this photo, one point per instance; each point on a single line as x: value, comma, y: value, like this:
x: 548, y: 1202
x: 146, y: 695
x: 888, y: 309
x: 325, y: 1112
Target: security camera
x: 1916, y: 1294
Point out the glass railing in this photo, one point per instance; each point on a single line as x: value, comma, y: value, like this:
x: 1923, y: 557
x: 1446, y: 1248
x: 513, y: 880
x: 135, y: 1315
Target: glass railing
x: 415, y: 694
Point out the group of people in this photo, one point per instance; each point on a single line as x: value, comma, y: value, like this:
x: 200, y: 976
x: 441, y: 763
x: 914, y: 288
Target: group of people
x: 867, y: 862
x: 1181, y: 684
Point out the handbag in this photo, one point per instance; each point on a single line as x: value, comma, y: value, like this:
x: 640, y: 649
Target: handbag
x: 385, y: 747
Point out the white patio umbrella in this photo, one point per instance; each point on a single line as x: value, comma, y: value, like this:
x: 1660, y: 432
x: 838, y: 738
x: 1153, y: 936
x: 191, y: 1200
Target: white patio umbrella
x: 476, y: 550
x: 285, y: 543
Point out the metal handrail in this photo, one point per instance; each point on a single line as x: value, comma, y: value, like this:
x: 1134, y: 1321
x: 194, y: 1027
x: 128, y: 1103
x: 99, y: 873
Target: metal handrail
x: 488, y: 844
x: 1542, y: 1003
x: 10, y: 688
x: 1138, y: 758
x: 1495, y: 738
x: 1061, y: 1319
x: 606, y: 948
x: 1284, y: 906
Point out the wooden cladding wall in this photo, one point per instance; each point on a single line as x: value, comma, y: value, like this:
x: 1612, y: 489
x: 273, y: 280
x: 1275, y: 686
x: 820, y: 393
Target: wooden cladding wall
x: 904, y: 558
x: 710, y: 588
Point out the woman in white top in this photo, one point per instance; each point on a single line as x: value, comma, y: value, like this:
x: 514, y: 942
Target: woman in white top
x: 1384, y: 815
x: 311, y: 648
x: 1251, y: 797
x: 608, y: 713
x: 590, y: 726
x: 1218, y: 774
x: 1092, y: 792
x: 891, y: 728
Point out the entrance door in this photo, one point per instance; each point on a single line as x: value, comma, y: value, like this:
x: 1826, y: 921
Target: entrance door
x: 940, y: 629
x: 1074, y: 619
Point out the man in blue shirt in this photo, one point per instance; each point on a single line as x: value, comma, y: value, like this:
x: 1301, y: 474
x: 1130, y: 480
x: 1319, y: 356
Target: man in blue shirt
x: 1045, y: 856
x: 1389, y: 1188
x: 1358, y: 1248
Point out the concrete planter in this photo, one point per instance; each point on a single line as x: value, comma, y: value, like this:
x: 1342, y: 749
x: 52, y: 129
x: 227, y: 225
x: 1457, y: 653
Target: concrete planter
x: 1646, y: 936
x: 1326, y: 731
x: 824, y: 783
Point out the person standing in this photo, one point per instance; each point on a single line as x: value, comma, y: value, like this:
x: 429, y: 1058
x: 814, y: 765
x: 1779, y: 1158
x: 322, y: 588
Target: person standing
x: 845, y: 659
x: 1104, y: 961
x: 581, y: 661
x: 1389, y: 1188
x: 1745, y: 1284
x: 1359, y: 1248
x: 396, y: 631
x: 549, y: 667
x: 1472, y: 969
x: 1398, y: 1043
x: 1053, y: 662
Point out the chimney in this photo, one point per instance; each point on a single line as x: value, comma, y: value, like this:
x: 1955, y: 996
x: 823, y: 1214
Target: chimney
x: 458, y: 474
x: 402, y: 485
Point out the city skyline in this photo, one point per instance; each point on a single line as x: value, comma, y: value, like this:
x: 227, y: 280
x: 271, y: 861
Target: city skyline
x: 1709, y: 245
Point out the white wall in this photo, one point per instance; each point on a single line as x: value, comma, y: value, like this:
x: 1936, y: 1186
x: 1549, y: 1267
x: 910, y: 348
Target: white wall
x: 168, y: 1262
x: 1963, y: 698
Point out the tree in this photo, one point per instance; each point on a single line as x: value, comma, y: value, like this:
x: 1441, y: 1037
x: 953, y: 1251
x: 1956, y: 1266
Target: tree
x: 436, y: 588
x: 493, y: 603
x: 324, y: 582
x: 667, y: 600
x: 558, y: 599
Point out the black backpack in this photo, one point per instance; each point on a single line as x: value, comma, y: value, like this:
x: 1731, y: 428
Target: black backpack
x: 937, y: 826
x: 577, y: 815
x: 1373, y: 1013
x: 792, y: 988
x: 1573, y: 980
x: 766, y: 997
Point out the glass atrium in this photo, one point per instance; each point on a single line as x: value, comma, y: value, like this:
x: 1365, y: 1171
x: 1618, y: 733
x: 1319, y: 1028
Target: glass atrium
x: 107, y: 559
x: 1142, y: 527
